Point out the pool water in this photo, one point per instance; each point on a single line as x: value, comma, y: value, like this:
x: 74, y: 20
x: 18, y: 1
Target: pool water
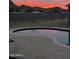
x: 61, y: 36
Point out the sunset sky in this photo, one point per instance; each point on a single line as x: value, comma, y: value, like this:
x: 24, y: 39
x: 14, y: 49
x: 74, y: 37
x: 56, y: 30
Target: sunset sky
x: 42, y: 3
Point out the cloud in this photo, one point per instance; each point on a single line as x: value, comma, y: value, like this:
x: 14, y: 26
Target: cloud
x: 39, y: 3
x: 51, y: 1
x: 20, y: 0
x: 44, y: 0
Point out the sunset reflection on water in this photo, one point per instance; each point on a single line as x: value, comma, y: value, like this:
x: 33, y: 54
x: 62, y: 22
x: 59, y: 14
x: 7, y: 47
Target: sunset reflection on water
x: 60, y: 36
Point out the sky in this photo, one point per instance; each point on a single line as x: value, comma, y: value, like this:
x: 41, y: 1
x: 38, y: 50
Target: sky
x: 42, y: 3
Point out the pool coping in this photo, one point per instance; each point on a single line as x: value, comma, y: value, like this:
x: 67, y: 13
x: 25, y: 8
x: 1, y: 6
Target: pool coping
x: 52, y: 28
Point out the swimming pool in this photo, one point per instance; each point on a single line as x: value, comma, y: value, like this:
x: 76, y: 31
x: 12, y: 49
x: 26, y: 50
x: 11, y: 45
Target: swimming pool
x: 59, y: 36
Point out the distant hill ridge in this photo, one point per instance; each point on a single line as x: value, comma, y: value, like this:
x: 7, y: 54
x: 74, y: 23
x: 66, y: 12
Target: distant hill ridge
x: 23, y: 8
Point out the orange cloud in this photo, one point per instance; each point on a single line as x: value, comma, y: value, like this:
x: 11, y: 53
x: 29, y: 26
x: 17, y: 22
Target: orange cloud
x: 36, y: 3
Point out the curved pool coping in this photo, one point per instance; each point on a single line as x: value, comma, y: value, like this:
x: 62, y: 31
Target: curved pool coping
x: 52, y: 28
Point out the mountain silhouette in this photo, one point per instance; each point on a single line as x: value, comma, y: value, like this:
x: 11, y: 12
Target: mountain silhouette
x: 13, y: 7
x: 23, y: 8
x: 57, y: 10
x: 39, y: 9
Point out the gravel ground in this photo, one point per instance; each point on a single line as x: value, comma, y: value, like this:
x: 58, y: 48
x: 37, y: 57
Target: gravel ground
x: 30, y: 47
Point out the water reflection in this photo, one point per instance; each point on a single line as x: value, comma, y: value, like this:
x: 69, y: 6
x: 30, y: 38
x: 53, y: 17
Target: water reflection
x: 60, y: 36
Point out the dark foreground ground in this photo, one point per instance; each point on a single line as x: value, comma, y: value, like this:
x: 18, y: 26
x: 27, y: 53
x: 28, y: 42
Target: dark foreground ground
x: 30, y: 47
x: 37, y: 23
